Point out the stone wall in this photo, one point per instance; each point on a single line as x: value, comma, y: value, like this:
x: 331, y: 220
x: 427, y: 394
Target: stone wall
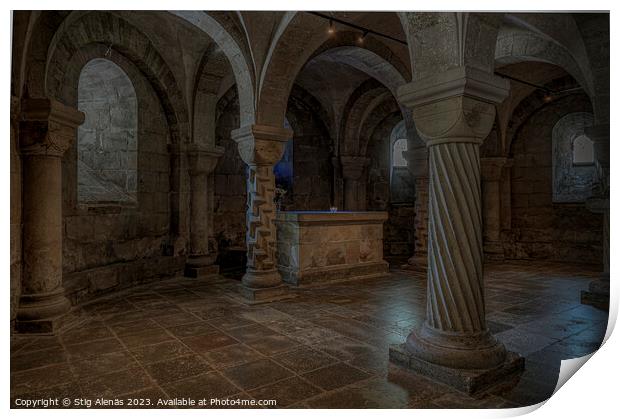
x: 541, y: 229
x: 398, y: 229
x: 16, y: 211
x: 113, y: 246
x: 107, y: 140
x: 312, y: 168
x: 229, y: 206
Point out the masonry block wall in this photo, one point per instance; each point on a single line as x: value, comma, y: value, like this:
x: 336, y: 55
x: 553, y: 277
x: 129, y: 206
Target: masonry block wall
x: 542, y: 229
x: 312, y: 168
x: 16, y: 211
x: 117, y: 245
x: 399, y: 229
x: 229, y: 206
x: 107, y: 140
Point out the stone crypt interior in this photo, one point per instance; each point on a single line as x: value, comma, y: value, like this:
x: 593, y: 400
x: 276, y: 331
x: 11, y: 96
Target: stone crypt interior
x: 329, y: 210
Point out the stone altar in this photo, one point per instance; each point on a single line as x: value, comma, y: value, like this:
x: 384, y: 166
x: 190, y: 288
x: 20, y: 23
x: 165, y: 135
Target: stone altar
x: 317, y: 246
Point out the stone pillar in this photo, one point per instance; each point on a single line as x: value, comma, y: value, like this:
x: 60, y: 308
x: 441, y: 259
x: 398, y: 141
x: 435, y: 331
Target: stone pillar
x: 338, y: 194
x: 201, y: 162
x: 492, y: 169
x: 453, y: 112
x: 506, y: 196
x: 47, y: 129
x: 353, y: 168
x: 419, y: 171
x: 261, y: 147
x: 598, y: 290
x: 16, y: 211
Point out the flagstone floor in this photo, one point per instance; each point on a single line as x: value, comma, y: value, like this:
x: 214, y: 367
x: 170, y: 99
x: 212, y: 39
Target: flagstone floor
x: 326, y: 348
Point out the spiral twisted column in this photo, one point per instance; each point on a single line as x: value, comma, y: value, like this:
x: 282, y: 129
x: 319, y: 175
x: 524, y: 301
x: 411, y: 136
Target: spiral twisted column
x: 454, y: 112
x: 261, y: 147
x: 47, y: 130
x: 201, y: 162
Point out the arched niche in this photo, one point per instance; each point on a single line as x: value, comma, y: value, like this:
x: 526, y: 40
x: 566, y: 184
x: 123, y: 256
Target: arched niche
x: 107, y: 141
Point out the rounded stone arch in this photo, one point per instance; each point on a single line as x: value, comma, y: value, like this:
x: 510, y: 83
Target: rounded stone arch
x: 290, y: 51
x: 373, y: 58
x: 116, y: 36
x: 516, y: 45
x: 215, y: 27
x: 302, y: 96
x: 533, y: 103
x: 209, y: 82
x: 354, y: 113
x: 374, y: 116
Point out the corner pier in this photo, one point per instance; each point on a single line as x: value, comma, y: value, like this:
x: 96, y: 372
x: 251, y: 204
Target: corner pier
x: 321, y: 246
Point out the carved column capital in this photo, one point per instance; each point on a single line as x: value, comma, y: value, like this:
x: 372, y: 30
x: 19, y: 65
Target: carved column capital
x: 47, y: 127
x: 353, y: 166
x: 261, y: 145
x: 202, y: 160
x: 457, y: 105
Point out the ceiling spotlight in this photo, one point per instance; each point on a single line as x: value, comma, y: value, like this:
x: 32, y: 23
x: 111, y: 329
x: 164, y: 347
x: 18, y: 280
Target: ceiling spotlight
x: 332, y: 28
x: 547, y: 98
x: 360, y: 39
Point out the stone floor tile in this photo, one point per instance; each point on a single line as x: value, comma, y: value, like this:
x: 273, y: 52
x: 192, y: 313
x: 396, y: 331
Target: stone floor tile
x: 40, y: 378
x: 101, y: 364
x: 160, y: 351
x: 177, y: 368
x: 35, y: 359
x: 335, y: 376
x: 304, y: 359
x: 146, y: 338
x: 231, y: 355
x: 272, y: 344
x: 204, y: 343
x: 177, y: 319
x: 286, y: 392
x: 209, y: 385
x: 191, y: 329
x: 115, y: 383
x: 369, y: 394
x: 256, y: 374
x: 135, y: 326
x: 230, y: 322
x: 70, y: 390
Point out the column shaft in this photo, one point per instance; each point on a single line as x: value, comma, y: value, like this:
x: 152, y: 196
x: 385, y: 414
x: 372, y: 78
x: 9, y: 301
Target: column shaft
x: 455, y: 239
x: 47, y: 129
x: 199, y: 228
x: 201, y: 161
x: 261, y: 234
x: 261, y: 147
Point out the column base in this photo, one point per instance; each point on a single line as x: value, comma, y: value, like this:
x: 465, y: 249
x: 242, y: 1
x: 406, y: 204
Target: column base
x: 468, y: 381
x: 43, y: 313
x: 494, y: 251
x: 597, y: 295
x: 417, y: 263
x: 198, y: 267
x: 265, y: 295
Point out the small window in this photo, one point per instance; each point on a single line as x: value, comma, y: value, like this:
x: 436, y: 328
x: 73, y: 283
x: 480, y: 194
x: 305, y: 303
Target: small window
x: 583, y: 151
x: 283, y: 170
x: 398, y: 160
x: 107, y: 142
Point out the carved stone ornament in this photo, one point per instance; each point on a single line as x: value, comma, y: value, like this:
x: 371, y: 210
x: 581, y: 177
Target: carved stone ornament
x: 47, y: 127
